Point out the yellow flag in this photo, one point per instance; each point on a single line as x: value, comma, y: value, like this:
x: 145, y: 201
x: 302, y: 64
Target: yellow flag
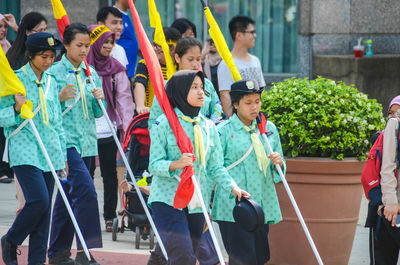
x: 220, y: 44
x: 159, y: 37
x: 11, y: 85
x: 58, y: 9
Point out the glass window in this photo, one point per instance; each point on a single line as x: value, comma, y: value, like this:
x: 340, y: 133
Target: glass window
x: 276, y: 25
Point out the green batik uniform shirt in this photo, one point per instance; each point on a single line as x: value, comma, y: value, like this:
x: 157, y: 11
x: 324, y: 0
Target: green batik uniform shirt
x: 23, y: 148
x: 210, y: 99
x: 235, y: 143
x: 164, y: 150
x: 80, y: 132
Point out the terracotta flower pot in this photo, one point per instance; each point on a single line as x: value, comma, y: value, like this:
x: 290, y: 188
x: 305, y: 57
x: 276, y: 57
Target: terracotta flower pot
x: 328, y: 193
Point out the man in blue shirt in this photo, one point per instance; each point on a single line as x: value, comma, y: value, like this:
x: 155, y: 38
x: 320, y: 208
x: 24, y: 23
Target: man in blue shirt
x: 128, y: 37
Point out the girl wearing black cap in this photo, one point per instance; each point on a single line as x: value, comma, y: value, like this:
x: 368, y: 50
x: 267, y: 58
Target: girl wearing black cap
x: 252, y: 169
x: 180, y: 229
x: 25, y: 155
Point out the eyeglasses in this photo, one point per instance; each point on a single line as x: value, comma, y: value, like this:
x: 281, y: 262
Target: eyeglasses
x: 158, y: 48
x: 252, y: 32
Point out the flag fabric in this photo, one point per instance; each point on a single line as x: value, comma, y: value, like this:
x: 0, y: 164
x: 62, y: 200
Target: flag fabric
x: 62, y: 20
x: 220, y: 44
x: 11, y: 85
x: 60, y: 15
x: 159, y: 37
x: 185, y: 189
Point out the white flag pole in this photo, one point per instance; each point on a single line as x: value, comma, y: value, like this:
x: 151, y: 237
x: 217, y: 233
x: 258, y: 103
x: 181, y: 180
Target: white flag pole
x: 209, y: 224
x: 128, y: 167
x: 293, y: 201
x: 60, y: 188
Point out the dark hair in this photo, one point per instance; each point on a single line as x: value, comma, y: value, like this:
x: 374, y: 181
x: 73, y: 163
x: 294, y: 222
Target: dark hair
x: 184, y: 44
x: 183, y: 24
x: 236, y: 97
x: 171, y: 34
x: 103, y: 13
x: 239, y: 24
x: 28, y: 22
x: 69, y: 35
x: 73, y: 29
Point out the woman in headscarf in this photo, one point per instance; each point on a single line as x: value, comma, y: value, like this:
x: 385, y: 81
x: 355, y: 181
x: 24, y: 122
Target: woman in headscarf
x: 384, y: 205
x: 120, y: 109
x: 180, y: 229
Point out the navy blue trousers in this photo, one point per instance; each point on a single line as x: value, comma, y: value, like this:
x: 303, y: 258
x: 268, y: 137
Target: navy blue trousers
x: 245, y: 248
x: 34, y: 218
x: 206, y: 253
x: 82, y: 197
x: 179, y: 231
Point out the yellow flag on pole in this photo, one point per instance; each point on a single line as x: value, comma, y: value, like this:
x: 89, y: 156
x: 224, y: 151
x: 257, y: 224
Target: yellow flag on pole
x: 159, y: 37
x: 11, y: 85
x: 220, y: 44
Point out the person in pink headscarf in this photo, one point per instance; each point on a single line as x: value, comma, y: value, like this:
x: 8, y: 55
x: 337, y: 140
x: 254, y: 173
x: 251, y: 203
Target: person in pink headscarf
x: 5, y: 45
x: 120, y: 109
x: 384, y: 206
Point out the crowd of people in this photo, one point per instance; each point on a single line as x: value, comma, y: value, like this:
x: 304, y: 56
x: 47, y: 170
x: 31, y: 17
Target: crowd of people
x: 229, y: 159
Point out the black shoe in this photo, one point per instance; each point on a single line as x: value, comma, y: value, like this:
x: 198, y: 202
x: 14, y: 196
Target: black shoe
x: 156, y: 259
x: 81, y: 259
x: 62, y: 258
x: 9, y: 252
x: 109, y: 225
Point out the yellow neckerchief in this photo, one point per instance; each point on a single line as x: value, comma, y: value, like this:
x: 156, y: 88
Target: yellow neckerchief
x: 43, y: 105
x: 198, y: 138
x: 82, y: 91
x: 258, y: 149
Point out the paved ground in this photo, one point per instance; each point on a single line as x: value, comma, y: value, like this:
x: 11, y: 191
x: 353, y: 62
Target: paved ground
x: 123, y: 250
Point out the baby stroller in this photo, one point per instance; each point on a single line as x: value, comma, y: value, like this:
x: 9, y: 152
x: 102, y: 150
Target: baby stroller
x: 137, y: 146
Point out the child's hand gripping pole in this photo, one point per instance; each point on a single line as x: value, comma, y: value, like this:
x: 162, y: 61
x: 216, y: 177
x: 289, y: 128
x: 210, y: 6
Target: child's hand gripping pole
x: 261, y: 122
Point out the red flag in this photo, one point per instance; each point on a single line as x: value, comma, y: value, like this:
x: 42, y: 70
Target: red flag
x: 262, y: 122
x: 60, y: 15
x: 185, y: 189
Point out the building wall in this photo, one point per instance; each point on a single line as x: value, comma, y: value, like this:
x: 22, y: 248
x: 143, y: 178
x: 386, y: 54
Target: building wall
x: 83, y: 11
x: 325, y: 27
x: 335, y: 25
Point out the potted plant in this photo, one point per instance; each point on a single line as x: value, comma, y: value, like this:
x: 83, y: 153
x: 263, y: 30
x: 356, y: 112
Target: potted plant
x: 325, y: 130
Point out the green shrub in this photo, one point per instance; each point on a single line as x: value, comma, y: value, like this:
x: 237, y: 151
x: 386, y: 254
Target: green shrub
x: 321, y: 118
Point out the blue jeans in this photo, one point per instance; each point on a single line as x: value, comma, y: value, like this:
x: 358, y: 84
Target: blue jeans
x: 82, y: 197
x: 34, y: 218
x: 179, y: 231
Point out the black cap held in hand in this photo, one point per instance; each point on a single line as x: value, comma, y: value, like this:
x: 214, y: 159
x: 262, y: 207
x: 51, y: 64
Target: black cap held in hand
x: 248, y: 215
x: 42, y: 41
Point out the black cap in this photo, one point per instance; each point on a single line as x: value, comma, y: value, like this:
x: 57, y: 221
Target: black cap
x: 245, y: 87
x: 248, y: 215
x: 42, y: 41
